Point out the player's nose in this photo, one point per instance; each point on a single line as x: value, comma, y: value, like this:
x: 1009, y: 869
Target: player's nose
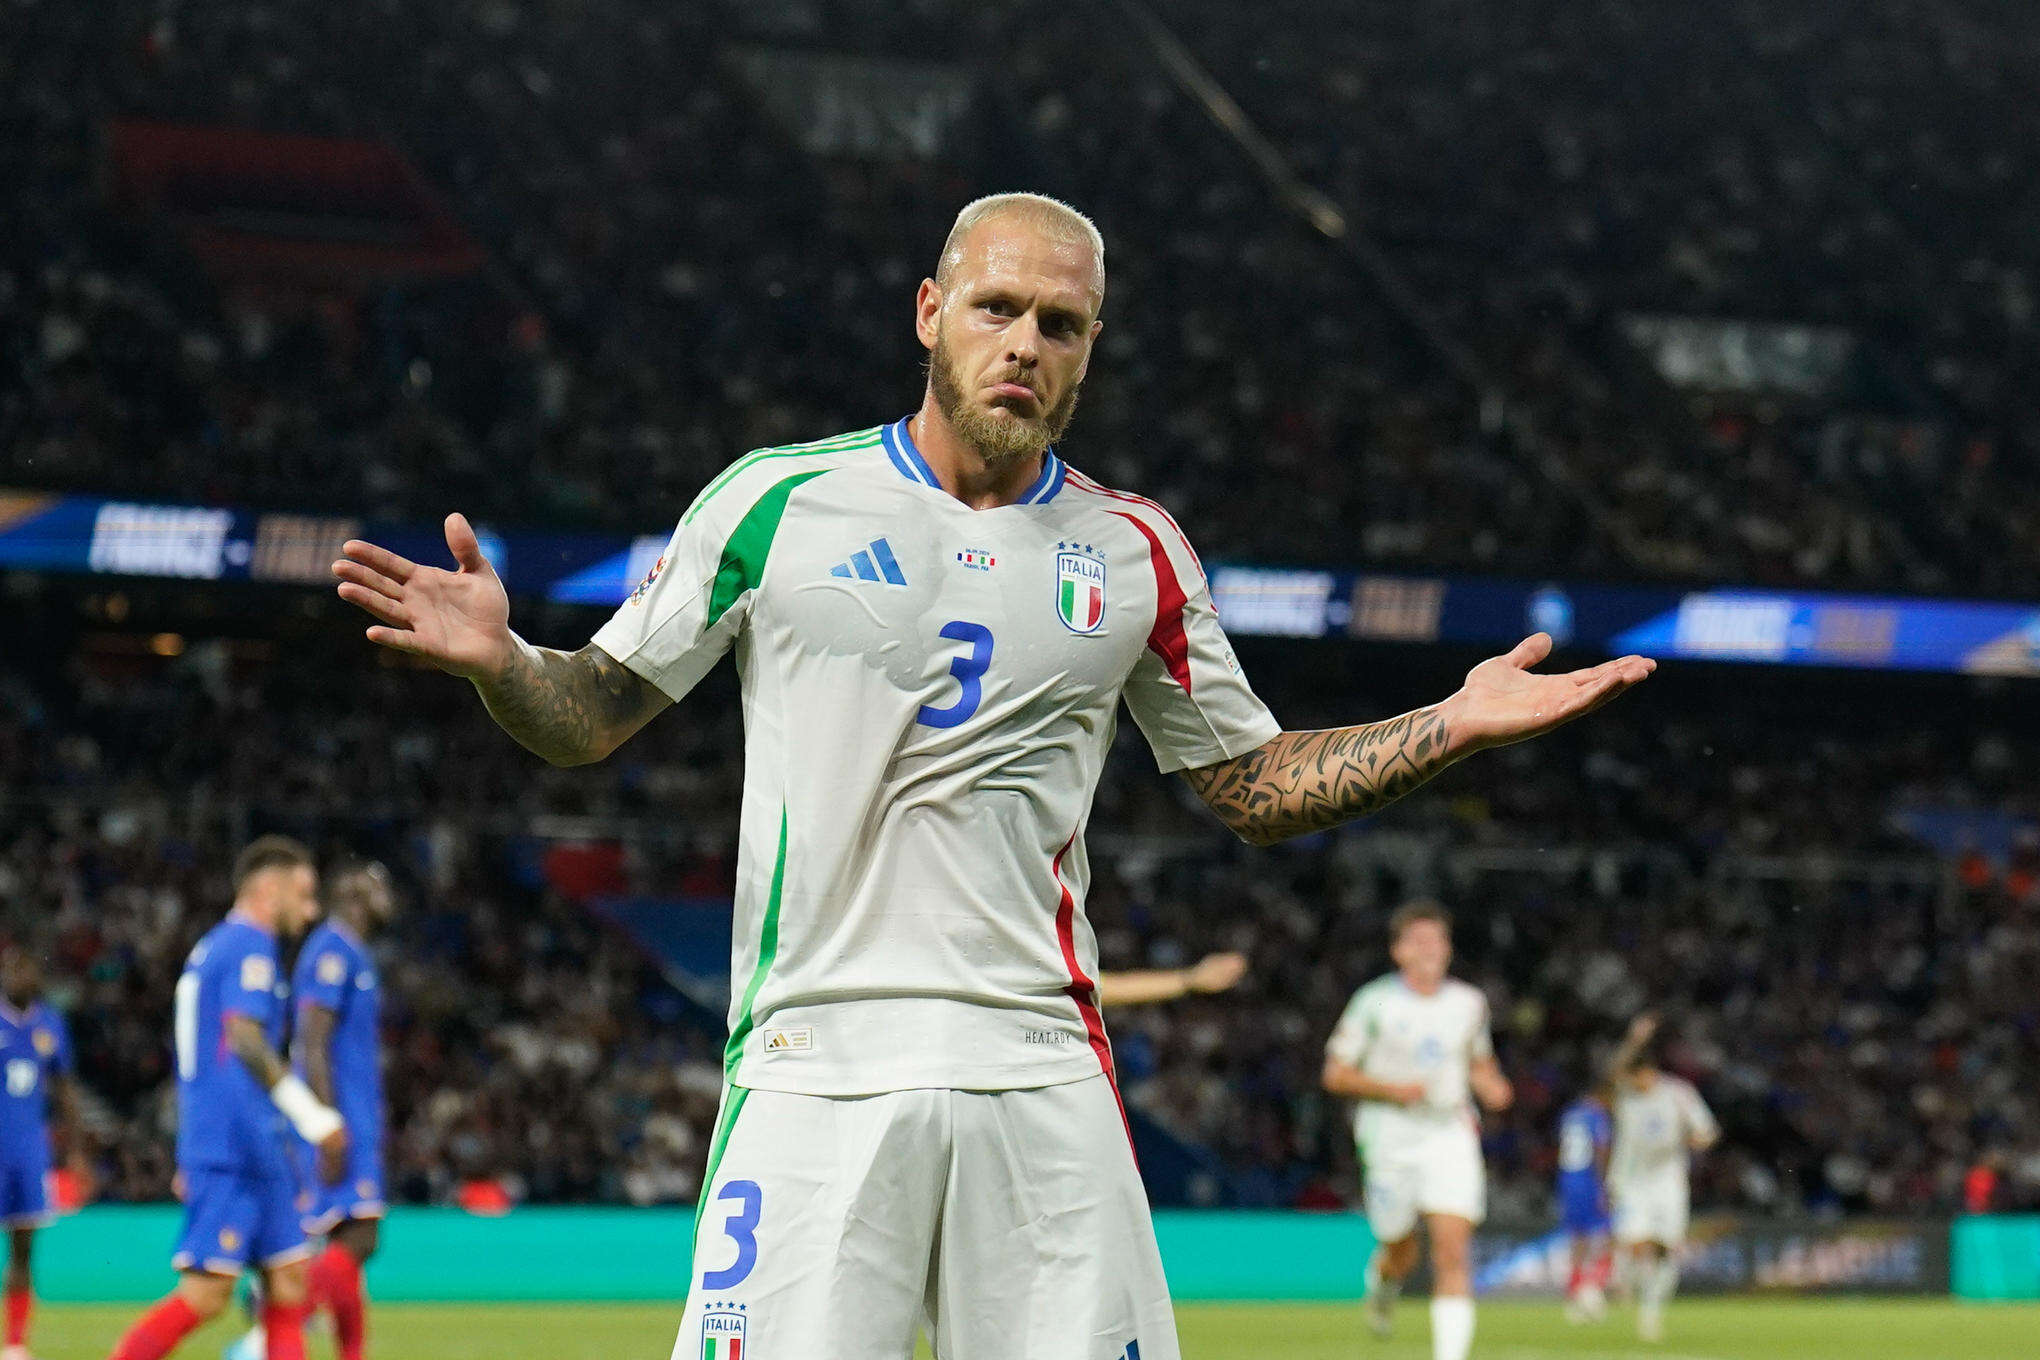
x: 1023, y: 342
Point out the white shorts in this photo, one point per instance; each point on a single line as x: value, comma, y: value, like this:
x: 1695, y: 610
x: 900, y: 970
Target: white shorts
x: 1436, y: 1172
x: 1654, y: 1210
x: 1012, y: 1225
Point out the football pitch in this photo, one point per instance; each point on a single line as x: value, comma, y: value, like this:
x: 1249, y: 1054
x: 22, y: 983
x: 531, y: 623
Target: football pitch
x: 1701, y: 1329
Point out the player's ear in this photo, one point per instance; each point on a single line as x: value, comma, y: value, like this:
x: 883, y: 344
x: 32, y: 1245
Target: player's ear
x: 1090, y: 348
x: 927, y: 311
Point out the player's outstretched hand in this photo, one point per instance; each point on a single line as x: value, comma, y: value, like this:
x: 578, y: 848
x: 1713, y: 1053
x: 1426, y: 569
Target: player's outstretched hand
x: 1217, y: 973
x: 1504, y: 701
x: 333, y: 1157
x: 458, y: 620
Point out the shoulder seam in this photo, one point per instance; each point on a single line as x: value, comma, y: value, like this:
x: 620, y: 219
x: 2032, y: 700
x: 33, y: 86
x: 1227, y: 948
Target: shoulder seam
x: 1098, y: 488
x: 819, y: 449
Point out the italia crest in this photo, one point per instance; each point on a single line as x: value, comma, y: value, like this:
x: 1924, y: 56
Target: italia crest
x: 722, y: 1332
x: 1079, y: 587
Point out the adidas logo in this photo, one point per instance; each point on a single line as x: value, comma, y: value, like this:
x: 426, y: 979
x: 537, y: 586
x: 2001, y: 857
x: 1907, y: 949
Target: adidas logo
x: 873, y: 563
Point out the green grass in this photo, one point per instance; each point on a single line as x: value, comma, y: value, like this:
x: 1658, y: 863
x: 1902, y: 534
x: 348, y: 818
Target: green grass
x: 1701, y: 1329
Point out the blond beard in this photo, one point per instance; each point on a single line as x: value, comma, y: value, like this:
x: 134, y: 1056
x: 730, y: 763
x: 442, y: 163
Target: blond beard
x: 1001, y: 443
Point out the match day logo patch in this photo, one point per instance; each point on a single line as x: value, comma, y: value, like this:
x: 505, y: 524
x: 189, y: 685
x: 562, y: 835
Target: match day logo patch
x: 722, y: 1332
x: 977, y: 559
x: 1079, y: 587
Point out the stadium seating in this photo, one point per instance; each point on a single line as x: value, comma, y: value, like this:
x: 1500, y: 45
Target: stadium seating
x: 1852, y: 996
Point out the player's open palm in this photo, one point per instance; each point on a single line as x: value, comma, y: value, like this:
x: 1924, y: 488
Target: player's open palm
x: 1504, y: 701
x: 458, y: 620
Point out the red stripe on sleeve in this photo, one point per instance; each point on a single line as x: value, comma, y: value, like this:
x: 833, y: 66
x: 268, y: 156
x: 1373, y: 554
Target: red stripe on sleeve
x: 1167, y: 639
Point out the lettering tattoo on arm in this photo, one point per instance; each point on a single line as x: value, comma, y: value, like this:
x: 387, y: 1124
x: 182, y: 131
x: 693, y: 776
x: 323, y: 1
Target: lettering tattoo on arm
x: 569, y: 708
x: 1300, y: 782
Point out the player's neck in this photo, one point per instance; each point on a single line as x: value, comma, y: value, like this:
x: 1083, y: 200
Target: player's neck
x: 1421, y: 987
x: 257, y: 914
x: 961, y: 469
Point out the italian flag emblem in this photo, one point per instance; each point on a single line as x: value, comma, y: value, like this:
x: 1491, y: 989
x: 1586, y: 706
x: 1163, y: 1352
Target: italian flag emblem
x: 722, y: 1334
x: 1080, y: 589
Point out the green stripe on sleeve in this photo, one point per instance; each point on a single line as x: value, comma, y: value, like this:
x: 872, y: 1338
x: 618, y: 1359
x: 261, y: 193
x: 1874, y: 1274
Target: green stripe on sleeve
x: 743, y: 556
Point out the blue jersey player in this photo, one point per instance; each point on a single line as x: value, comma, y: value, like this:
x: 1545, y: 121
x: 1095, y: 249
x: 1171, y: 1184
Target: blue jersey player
x: 35, y: 1068
x: 238, y: 1169
x: 335, y: 1051
x: 1585, y: 1133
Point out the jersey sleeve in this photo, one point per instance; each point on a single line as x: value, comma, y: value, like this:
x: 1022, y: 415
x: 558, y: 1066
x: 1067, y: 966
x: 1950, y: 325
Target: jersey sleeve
x: 323, y: 976
x: 1480, y: 1045
x: 688, y: 611
x: 248, y: 983
x: 1700, y: 1121
x: 1354, y: 1034
x: 1187, y: 691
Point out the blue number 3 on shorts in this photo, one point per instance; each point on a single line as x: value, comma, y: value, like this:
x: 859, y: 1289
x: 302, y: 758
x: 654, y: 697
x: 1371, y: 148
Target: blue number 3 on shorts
x: 742, y: 1228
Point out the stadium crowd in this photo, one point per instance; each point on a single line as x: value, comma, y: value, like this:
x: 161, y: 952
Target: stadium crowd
x: 675, y: 278
x: 1853, y: 1000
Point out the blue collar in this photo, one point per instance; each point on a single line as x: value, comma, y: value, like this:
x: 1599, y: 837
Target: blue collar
x: 899, y: 446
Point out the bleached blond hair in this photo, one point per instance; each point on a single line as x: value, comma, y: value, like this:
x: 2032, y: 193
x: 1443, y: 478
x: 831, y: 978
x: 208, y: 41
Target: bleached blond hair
x: 1051, y: 215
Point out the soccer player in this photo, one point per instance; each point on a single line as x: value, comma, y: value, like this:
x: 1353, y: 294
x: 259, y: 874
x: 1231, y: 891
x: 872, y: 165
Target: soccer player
x: 35, y: 1054
x: 935, y: 621
x: 1660, y: 1121
x: 334, y: 1050
x: 1414, y: 1048
x: 1210, y: 975
x: 1584, y: 1133
x: 236, y: 1167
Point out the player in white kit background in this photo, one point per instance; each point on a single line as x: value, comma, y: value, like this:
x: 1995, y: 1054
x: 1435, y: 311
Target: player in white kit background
x: 1660, y: 1122
x: 1415, y: 1050
x: 934, y: 623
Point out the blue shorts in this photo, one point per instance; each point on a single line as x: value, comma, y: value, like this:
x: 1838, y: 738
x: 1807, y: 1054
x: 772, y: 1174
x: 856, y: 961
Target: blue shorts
x: 1584, y: 1210
x: 359, y: 1193
x: 25, y: 1192
x: 232, y: 1219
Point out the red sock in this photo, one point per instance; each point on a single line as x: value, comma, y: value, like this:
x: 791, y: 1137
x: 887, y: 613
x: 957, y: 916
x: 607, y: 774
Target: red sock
x: 20, y: 1303
x: 1602, y: 1267
x: 338, y: 1288
x: 283, y: 1330
x: 159, y: 1330
x: 1573, y: 1281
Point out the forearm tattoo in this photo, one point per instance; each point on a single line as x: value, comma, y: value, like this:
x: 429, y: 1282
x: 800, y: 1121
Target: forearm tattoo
x: 570, y: 707
x: 1306, y: 781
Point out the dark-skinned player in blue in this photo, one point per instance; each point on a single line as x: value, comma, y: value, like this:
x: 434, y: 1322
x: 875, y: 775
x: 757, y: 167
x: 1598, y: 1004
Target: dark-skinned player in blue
x: 335, y: 1049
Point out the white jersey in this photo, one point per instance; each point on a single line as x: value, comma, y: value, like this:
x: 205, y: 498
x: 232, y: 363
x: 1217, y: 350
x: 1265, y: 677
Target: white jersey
x: 929, y: 693
x: 1393, y: 1033
x: 1655, y: 1129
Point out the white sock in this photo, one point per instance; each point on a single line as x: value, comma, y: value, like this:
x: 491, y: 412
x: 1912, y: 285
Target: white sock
x: 1386, y: 1290
x: 1451, y: 1327
x: 1660, y: 1280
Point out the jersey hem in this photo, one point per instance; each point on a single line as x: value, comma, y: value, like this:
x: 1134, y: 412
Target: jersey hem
x: 1033, y: 1080
x: 1229, y: 747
